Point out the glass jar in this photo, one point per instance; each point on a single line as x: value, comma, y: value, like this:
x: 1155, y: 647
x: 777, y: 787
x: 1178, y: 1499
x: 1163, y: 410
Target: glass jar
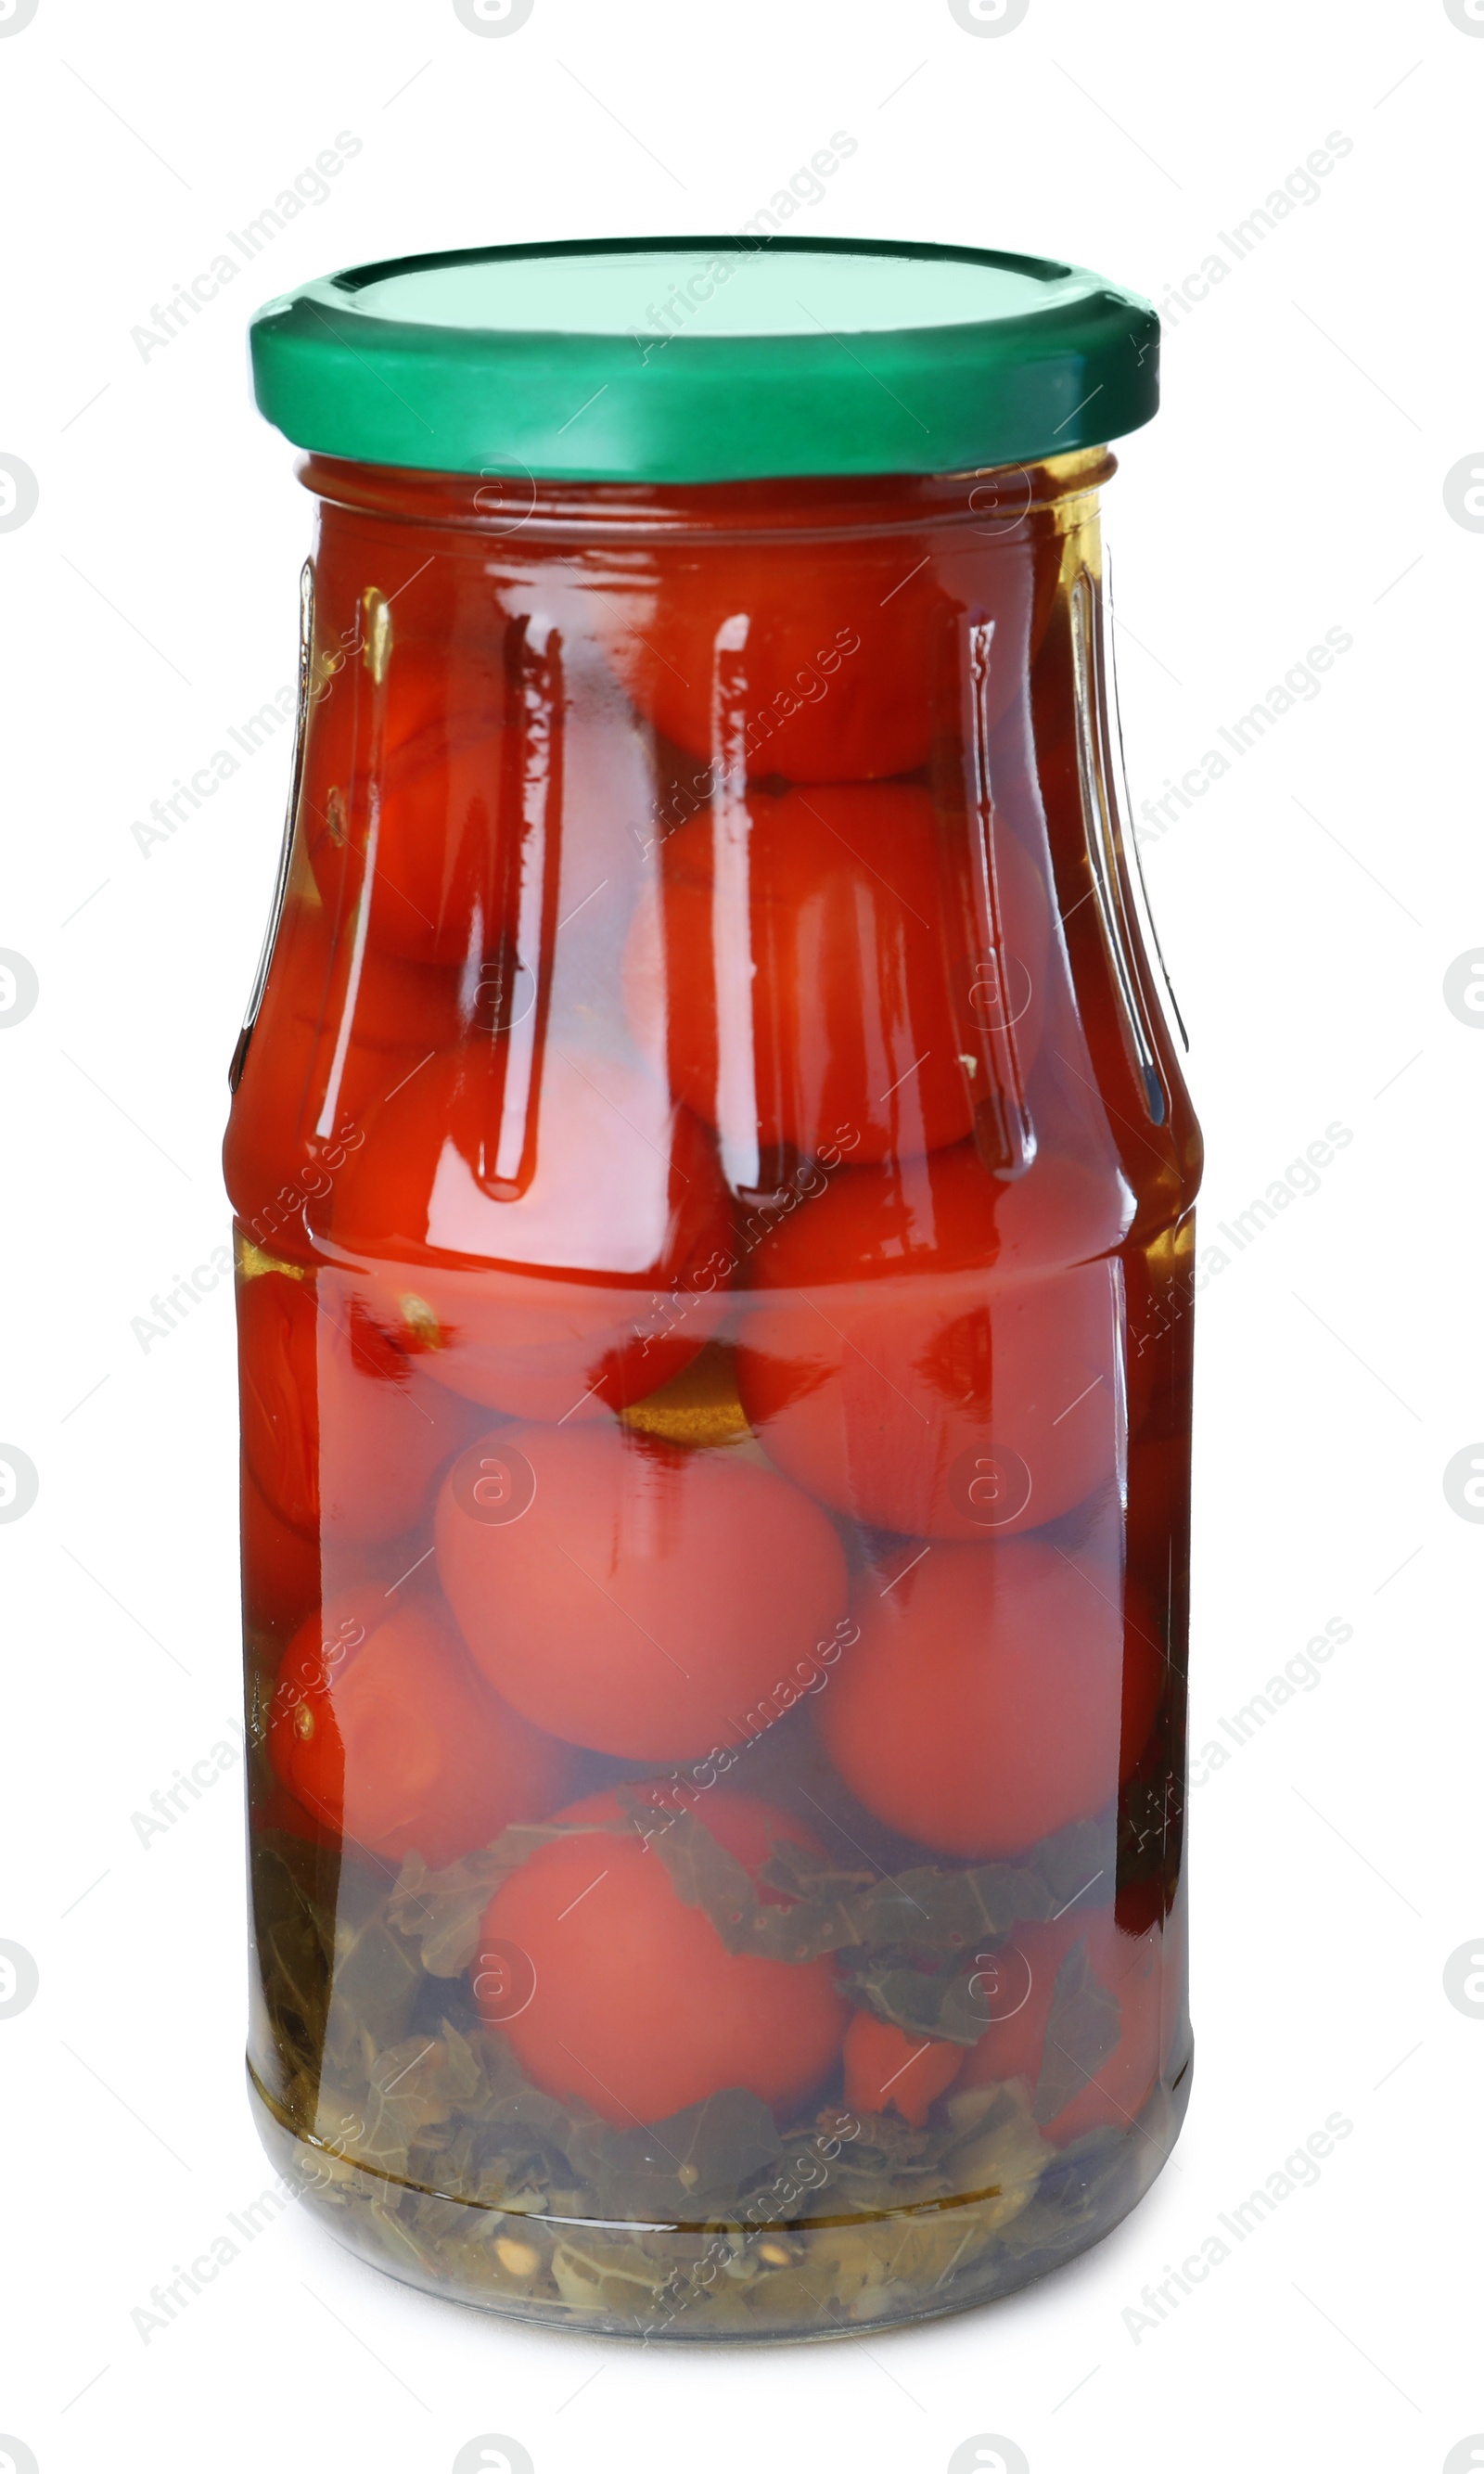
x: 714, y: 1198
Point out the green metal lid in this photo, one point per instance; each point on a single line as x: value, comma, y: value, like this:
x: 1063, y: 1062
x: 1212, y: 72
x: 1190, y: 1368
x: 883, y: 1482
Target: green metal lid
x: 706, y: 361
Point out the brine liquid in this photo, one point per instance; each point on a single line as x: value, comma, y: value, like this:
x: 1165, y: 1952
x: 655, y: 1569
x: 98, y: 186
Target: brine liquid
x: 713, y: 1235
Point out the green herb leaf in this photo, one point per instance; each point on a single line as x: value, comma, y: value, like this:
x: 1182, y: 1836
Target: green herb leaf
x: 1077, y: 1859
x: 1081, y: 2031
x: 441, y: 1912
x: 679, y: 2168
x: 920, y: 2001
x: 927, y: 1912
x: 293, y: 1891
x: 375, y: 1980
x: 820, y: 1916
x: 940, y: 1913
x: 421, y: 2082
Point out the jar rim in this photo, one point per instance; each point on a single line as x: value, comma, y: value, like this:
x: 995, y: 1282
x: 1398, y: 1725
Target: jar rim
x: 995, y: 500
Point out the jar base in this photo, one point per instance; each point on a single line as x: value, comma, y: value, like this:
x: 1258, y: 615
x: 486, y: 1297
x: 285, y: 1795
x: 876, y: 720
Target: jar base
x: 813, y: 2280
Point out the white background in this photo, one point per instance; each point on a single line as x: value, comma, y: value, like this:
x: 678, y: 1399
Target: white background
x: 1309, y: 905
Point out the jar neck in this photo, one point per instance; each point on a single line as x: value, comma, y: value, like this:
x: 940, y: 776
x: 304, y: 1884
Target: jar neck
x: 994, y: 501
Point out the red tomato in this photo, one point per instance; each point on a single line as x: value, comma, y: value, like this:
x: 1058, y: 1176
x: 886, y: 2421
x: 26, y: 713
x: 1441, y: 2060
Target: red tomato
x: 886, y: 2070
x: 631, y: 1597
x: 382, y: 1730
x: 822, y: 677
x: 995, y: 1694
x: 1132, y: 1970
x: 404, y: 796
x: 333, y: 1039
x: 337, y: 1429
x: 933, y: 1351
x: 280, y: 1567
x: 830, y: 904
x: 557, y: 1241
x: 636, y: 2007
x: 820, y: 660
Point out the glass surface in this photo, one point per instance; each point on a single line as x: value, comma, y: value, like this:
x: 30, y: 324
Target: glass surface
x: 713, y: 1195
